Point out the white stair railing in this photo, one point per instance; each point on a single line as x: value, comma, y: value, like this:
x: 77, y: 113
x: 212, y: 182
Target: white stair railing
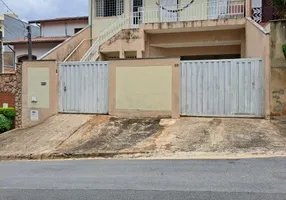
x: 92, y: 54
x: 123, y: 22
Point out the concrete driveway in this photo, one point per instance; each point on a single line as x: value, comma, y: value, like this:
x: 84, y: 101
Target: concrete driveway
x: 43, y: 138
x: 73, y: 136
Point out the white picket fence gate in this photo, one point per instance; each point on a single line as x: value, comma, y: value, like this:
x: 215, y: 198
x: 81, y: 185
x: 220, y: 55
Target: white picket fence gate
x: 83, y: 87
x: 222, y: 88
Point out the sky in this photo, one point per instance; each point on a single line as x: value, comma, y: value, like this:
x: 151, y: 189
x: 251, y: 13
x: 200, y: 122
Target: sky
x: 44, y: 9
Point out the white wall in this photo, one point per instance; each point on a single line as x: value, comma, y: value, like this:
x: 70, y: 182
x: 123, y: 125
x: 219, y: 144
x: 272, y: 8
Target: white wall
x: 61, y: 28
x: 38, y: 49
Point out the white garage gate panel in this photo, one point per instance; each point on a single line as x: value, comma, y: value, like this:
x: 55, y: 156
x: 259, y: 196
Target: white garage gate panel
x: 83, y: 87
x: 222, y: 88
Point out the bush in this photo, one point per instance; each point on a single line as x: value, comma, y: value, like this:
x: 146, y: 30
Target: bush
x: 5, y: 124
x: 10, y: 113
x: 280, y: 8
x: 284, y: 50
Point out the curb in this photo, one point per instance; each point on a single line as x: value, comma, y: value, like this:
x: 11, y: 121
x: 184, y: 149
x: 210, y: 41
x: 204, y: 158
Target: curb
x: 54, y: 156
x: 109, y: 155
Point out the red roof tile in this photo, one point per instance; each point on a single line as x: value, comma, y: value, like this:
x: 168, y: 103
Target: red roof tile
x: 37, y: 40
x: 60, y: 19
x: 8, y: 70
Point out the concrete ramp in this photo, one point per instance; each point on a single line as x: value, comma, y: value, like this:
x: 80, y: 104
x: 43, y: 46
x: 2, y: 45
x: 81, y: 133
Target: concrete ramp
x: 81, y: 136
x: 42, y: 138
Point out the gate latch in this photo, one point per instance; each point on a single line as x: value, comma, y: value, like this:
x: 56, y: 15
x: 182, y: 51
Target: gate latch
x: 65, y: 88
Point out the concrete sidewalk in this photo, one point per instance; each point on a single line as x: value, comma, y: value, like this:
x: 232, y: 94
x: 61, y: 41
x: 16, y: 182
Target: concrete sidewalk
x: 83, y: 136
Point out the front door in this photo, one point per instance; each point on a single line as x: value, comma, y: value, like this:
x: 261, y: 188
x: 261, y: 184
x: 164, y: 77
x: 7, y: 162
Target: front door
x: 167, y: 6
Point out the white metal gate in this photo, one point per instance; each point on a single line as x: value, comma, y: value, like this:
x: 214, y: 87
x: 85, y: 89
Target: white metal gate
x: 222, y: 88
x: 83, y: 87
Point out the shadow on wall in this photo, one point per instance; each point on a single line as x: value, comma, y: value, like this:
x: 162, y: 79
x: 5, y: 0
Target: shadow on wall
x: 278, y: 84
x: 278, y: 67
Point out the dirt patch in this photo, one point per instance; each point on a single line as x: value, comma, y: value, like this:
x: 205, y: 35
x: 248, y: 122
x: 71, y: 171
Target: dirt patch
x: 114, y: 134
x: 280, y: 123
x: 217, y: 135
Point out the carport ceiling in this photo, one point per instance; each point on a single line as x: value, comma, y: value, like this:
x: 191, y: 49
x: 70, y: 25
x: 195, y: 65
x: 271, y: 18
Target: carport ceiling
x: 193, y: 29
x: 197, y: 44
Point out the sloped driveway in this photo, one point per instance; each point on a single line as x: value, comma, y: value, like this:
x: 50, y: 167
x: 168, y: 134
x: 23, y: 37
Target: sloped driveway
x: 76, y: 136
x: 41, y: 139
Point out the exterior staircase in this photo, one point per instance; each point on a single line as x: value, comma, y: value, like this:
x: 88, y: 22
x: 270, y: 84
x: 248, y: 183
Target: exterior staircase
x: 123, y: 22
x: 198, y: 11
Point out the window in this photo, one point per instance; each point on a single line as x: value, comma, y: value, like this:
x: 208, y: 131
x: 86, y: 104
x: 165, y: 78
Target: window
x: 76, y: 30
x: 108, y: 8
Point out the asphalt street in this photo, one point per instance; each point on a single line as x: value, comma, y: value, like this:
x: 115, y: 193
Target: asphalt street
x: 144, y: 179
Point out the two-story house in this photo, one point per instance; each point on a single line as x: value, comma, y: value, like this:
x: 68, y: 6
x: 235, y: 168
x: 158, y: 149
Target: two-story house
x: 13, y: 29
x: 191, y: 29
x: 53, y: 32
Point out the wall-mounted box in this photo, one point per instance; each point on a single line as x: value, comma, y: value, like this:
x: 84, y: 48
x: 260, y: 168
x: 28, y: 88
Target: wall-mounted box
x: 34, y: 115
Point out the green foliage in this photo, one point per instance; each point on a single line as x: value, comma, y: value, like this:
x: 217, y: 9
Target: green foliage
x: 5, y: 124
x: 280, y: 7
x: 279, y: 2
x: 7, y: 117
x: 10, y: 113
x: 284, y: 49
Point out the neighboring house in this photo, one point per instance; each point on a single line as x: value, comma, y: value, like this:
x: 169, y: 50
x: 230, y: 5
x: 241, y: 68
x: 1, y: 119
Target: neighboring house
x: 191, y: 29
x: 52, y: 33
x: 1, y: 44
x: 263, y: 11
x: 13, y: 29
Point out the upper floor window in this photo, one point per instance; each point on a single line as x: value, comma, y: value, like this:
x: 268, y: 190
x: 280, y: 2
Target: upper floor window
x: 108, y: 8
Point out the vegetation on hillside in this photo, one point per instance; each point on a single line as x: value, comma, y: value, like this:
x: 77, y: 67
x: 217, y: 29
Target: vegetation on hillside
x: 7, y: 117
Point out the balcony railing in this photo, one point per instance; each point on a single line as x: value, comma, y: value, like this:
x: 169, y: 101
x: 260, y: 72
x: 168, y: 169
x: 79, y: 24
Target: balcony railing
x: 221, y: 9
x: 196, y: 11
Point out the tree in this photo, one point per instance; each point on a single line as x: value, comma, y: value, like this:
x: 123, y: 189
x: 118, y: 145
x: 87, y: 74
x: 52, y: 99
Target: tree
x: 280, y: 7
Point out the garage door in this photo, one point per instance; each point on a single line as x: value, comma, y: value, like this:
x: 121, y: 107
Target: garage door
x: 83, y: 87
x: 222, y: 88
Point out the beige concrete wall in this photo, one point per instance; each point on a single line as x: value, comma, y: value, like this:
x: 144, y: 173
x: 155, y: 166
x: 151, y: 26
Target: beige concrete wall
x: 149, y: 3
x: 61, y: 52
x: 154, y: 94
x: 202, y: 36
x: 278, y: 88
x: 193, y: 51
x: 36, y: 76
x: 151, y: 11
x: 126, y: 40
x: 100, y: 23
x: 257, y: 45
x: 145, y: 87
x: 278, y: 67
x: 39, y: 79
x: 197, y: 11
x: 134, y: 40
x: 80, y: 51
